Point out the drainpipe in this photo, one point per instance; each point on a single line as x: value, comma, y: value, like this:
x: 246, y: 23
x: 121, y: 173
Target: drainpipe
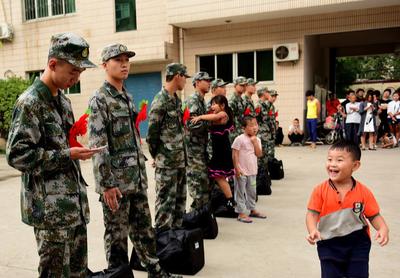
x: 181, y: 55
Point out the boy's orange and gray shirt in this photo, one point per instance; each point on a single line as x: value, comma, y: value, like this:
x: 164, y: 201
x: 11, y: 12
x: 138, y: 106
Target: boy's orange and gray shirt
x: 338, y: 218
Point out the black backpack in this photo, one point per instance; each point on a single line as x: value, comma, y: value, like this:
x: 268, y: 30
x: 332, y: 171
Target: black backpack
x: 204, y: 219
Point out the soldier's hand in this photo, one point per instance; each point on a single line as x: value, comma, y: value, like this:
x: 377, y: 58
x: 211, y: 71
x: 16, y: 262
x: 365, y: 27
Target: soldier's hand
x: 82, y: 153
x: 111, y: 197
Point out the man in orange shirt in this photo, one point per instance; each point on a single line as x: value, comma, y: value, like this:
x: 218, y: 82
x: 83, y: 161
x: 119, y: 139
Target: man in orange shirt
x: 337, y: 216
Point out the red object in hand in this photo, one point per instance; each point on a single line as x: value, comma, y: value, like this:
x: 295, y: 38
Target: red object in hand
x: 79, y: 128
x: 247, y: 111
x: 186, y: 115
x: 258, y: 110
x: 270, y: 113
x: 142, y: 115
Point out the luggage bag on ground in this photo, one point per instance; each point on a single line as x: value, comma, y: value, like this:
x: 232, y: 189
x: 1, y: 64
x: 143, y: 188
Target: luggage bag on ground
x: 180, y: 251
x: 275, y: 168
x: 203, y: 219
x: 122, y: 271
x: 263, y: 182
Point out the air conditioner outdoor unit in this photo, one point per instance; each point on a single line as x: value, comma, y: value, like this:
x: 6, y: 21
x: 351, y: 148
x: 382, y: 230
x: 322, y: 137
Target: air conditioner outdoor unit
x: 286, y: 52
x: 6, y: 32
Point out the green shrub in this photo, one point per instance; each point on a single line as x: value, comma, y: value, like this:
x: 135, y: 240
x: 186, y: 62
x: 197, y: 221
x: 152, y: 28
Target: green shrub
x: 10, y: 89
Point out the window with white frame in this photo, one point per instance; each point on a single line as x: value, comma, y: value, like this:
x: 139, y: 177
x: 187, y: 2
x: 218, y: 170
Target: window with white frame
x: 253, y: 64
x: 46, y: 8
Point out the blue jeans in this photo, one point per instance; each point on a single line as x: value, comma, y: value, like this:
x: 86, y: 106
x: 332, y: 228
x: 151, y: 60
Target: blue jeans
x: 312, y: 129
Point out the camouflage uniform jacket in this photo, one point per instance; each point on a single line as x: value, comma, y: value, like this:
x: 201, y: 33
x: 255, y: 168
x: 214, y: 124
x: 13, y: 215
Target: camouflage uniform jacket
x: 271, y: 121
x: 165, y: 135
x: 248, y: 103
x: 112, y: 123
x: 53, y: 193
x: 236, y: 103
x: 196, y: 134
x: 263, y: 119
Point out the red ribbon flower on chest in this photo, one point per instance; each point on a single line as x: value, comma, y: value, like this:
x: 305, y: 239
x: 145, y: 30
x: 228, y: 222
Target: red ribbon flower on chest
x: 79, y: 128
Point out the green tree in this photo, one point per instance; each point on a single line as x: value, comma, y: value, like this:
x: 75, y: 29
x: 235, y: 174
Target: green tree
x: 10, y: 89
x: 378, y: 67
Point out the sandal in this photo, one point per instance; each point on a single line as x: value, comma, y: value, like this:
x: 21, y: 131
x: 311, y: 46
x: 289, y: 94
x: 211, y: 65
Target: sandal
x: 257, y: 215
x: 244, y: 219
x: 372, y: 149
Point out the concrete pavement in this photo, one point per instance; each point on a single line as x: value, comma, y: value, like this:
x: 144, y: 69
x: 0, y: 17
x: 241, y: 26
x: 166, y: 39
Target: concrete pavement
x: 275, y: 247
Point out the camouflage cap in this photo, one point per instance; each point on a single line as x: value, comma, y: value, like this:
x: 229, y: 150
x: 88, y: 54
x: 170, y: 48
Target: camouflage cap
x: 71, y: 48
x: 201, y: 75
x: 251, y: 81
x: 218, y: 83
x: 240, y: 80
x: 176, y: 68
x: 273, y: 93
x: 113, y: 50
x: 261, y: 91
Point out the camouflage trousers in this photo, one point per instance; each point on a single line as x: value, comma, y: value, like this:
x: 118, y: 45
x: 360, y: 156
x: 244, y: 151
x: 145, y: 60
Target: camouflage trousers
x: 62, y: 252
x: 262, y: 163
x: 170, y: 197
x: 132, y: 218
x: 270, y: 148
x: 197, y: 178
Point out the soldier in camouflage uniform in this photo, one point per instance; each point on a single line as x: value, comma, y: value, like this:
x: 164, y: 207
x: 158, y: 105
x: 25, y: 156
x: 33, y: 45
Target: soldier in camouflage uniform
x: 247, y: 97
x: 236, y: 103
x: 120, y: 171
x: 271, y: 122
x: 53, y: 193
x: 166, y: 145
x: 196, y: 139
x: 218, y: 87
x: 264, y: 134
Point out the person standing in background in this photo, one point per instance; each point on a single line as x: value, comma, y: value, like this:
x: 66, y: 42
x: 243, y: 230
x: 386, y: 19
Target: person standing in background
x: 313, y: 113
x: 165, y: 139
x: 196, y: 140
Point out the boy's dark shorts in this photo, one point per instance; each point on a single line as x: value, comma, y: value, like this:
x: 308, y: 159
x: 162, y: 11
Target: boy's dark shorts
x: 345, y: 256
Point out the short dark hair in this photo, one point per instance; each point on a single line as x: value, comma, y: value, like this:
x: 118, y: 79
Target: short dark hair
x: 169, y: 78
x: 348, y: 146
x: 296, y: 119
x: 309, y: 93
x: 348, y: 92
x: 246, y: 119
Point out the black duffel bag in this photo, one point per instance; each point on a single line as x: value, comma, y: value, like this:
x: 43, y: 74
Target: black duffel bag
x: 179, y: 251
x: 275, y: 168
x: 203, y: 219
x: 122, y: 271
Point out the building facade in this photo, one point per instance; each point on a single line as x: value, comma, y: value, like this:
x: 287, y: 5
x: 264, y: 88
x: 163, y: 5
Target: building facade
x: 225, y: 37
